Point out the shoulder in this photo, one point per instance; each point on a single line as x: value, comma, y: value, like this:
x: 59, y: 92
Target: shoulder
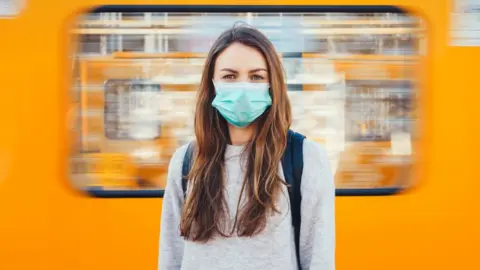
x: 317, y: 172
x: 316, y: 151
x: 179, y: 154
x: 176, y: 164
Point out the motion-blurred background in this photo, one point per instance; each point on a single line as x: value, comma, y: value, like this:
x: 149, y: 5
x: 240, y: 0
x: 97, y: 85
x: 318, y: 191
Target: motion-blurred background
x: 351, y: 78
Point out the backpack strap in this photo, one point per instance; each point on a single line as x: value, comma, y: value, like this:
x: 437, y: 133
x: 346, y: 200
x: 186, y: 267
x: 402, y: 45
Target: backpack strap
x: 292, y: 164
x: 187, y: 165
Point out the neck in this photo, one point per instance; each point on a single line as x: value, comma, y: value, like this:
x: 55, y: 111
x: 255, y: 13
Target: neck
x: 240, y: 136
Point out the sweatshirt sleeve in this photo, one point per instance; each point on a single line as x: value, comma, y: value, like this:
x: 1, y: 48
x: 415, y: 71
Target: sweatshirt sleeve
x: 171, y: 243
x: 317, y: 231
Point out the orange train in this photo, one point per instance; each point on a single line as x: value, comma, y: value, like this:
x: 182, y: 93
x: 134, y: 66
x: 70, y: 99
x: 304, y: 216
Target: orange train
x: 54, y: 147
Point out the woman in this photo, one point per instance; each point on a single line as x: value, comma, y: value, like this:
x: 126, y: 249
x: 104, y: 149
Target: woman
x: 236, y: 213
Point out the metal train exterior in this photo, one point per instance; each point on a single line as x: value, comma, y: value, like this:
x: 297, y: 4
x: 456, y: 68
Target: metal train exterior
x: 47, y: 222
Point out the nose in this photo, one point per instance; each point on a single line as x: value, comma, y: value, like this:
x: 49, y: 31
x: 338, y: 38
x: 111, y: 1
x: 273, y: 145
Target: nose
x: 243, y: 77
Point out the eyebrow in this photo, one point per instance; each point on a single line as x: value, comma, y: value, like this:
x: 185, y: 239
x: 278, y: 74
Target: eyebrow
x: 251, y: 71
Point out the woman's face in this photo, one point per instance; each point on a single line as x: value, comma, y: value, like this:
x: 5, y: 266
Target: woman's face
x: 240, y: 63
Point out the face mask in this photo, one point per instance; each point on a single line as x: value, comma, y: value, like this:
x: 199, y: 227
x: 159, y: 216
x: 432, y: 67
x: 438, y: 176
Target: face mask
x: 241, y: 103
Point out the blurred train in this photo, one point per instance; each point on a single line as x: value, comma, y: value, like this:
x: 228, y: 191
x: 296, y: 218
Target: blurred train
x: 99, y: 94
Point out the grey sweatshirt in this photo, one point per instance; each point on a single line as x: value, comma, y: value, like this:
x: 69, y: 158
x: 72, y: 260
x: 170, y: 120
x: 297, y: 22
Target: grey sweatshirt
x: 274, y: 248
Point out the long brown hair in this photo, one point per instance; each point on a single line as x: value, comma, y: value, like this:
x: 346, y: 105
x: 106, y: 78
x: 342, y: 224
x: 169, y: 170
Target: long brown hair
x: 205, y: 207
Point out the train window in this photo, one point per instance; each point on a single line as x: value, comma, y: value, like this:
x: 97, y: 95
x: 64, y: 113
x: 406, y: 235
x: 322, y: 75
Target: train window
x: 133, y: 43
x: 90, y: 44
x: 10, y: 8
x: 350, y: 73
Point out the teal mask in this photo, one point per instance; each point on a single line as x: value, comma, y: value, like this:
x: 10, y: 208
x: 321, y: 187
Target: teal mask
x: 241, y: 103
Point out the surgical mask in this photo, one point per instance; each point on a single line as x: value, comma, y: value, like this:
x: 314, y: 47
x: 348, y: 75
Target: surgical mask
x: 241, y: 103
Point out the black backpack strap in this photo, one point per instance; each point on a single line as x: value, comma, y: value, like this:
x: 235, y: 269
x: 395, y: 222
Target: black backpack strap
x: 292, y: 164
x: 187, y: 164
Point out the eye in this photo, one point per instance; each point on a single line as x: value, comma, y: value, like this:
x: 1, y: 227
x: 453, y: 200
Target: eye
x: 257, y: 77
x: 229, y: 77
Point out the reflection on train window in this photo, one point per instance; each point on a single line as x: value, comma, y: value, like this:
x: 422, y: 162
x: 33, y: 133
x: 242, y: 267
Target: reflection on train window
x: 90, y: 44
x: 131, y: 110
x: 133, y: 43
x: 351, y: 80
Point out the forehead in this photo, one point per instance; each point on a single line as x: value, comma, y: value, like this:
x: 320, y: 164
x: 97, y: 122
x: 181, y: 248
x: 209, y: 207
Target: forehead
x: 240, y: 57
